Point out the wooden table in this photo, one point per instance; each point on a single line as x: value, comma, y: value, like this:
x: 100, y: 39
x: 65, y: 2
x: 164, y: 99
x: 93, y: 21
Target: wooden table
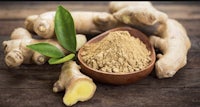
x: 31, y: 85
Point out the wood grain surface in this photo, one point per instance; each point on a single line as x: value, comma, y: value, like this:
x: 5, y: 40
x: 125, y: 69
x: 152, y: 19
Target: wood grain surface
x: 31, y: 85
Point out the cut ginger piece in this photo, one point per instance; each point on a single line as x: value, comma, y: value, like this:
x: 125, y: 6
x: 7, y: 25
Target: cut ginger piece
x: 77, y: 86
x: 82, y: 90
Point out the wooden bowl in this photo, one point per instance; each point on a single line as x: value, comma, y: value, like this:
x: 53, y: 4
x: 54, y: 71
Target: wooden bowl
x: 121, y: 78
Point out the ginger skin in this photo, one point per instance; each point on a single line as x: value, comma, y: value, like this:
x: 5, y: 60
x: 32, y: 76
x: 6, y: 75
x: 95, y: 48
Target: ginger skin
x: 174, y: 45
x: 171, y: 37
x: 16, y: 52
x: 134, y: 14
x: 85, y: 23
x: 116, y: 6
x: 141, y: 15
x: 77, y: 86
x: 29, y: 22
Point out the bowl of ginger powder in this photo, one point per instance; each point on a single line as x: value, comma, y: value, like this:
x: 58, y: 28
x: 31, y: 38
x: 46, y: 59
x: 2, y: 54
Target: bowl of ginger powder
x: 118, y: 56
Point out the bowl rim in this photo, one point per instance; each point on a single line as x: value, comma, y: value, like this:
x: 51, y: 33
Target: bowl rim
x: 110, y: 73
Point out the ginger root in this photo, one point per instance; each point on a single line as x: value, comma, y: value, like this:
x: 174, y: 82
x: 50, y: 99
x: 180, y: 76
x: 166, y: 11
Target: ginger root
x: 174, y: 45
x: 29, y: 22
x: 116, y: 6
x: 77, y: 86
x: 171, y: 37
x: 141, y: 15
x: 85, y: 23
x: 17, y: 53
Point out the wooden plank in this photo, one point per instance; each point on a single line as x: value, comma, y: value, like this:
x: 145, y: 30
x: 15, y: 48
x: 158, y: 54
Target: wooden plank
x: 193, y: 59
x: 148, y: 97
x: 177, y: 10
x: 30, y: 77
x: 105, y: 96
x: 34, y: 76
x: 191, y: 26
x: 7, y: 26
x: 182, y: 79
x: 24, y: 9
x: 31, y: 85
x: 30, y: 98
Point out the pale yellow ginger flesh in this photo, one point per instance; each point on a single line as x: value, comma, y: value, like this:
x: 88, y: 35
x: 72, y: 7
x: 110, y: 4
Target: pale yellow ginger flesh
x: 174, y: 45
x: 16, y: 52
x: 82, y: 90
x: 77, y: 86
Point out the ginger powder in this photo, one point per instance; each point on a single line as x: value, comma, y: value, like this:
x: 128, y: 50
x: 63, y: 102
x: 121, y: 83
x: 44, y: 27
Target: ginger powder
x: 118, y: 52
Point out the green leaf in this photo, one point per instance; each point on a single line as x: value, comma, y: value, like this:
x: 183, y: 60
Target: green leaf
x: 61, y: 60
x: 47, y: 50
x: 64, y: 29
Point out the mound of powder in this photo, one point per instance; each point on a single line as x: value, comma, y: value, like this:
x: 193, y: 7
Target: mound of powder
x: 118, y: 52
